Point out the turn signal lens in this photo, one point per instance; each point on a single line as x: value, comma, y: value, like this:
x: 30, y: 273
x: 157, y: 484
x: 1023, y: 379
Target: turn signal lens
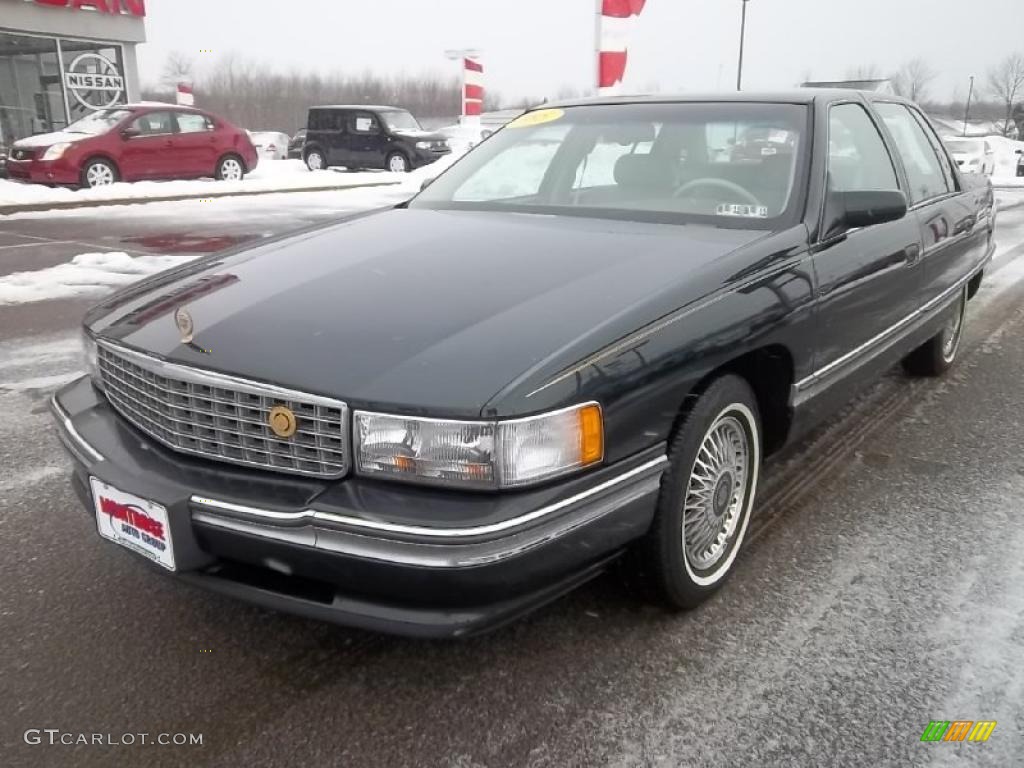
x: 591, y: 434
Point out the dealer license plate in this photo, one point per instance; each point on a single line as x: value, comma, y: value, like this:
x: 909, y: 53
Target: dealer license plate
x: 133, y: 522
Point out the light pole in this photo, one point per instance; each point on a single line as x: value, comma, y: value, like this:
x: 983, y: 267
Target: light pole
x: 743, y: 32
x: 967, y: 111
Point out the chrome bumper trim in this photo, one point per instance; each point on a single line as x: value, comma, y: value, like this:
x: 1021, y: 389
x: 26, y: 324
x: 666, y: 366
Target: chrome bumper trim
x: 306, y: 516
x: 64, y: 420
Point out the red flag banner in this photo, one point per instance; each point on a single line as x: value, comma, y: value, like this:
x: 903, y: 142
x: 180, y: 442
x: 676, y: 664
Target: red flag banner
x: 473, y: 87
x: 617, y: 18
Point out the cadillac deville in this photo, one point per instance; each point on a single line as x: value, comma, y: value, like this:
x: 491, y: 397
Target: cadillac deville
x: 582, y: 339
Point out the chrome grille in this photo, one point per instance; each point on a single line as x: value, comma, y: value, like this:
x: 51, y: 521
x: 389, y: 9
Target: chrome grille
x: 225, y: 418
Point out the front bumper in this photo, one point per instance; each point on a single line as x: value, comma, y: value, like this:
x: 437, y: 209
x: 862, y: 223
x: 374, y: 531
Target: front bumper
x: 369, y: 554
x: 43, y: 171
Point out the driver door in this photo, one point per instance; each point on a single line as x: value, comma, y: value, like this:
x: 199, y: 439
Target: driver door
x: 147, y: 148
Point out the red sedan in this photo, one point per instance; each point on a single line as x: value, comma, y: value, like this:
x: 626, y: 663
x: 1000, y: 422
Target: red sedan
x: 135, y: 142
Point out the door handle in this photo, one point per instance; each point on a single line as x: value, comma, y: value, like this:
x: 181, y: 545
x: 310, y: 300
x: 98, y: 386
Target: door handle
x: 912, y: 254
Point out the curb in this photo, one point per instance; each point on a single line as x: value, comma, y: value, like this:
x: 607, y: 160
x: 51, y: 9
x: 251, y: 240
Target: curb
x: 6, y: 210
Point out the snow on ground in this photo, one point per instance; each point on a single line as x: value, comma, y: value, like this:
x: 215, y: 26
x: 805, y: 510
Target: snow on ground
x: 86, y: 275
x: 1005, y: 173
x: 269, y: 175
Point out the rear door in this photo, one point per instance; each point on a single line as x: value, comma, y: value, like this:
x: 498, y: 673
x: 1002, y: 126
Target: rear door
x: 195, y: 144
x: 954, y: 237
x: 147, y: 150
x: 868, y: 278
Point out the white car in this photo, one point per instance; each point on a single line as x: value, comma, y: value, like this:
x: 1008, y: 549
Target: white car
x: 271, y: 145
x: 462, y: 138
x: 973, y: 155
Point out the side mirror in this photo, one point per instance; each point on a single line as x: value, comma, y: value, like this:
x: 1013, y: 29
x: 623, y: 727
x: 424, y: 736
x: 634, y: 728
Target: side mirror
x: 850, y: 210
x: 129, y: 133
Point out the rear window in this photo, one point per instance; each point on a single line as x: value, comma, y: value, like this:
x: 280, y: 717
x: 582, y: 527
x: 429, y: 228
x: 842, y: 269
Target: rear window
x: 326, y: 119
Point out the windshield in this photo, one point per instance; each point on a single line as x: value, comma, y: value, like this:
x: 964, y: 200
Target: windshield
x: 680, y: 163
x: 966, y: 147
x: 98, y: 122
x: 401, y: 121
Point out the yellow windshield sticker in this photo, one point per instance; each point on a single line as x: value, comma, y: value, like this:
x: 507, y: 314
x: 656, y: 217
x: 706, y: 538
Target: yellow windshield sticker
x: 539, y: 117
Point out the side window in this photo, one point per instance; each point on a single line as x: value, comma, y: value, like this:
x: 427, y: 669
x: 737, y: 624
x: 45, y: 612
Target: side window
x: 153, y: 123
x: 924, y: 171
x: 364, y: 123
x: 858, y: 159
x: 940, y: 150
x: 190, y: 122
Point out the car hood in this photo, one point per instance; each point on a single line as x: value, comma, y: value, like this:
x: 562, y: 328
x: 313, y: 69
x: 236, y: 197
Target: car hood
x: 49, y: 139
x: 420, y: 310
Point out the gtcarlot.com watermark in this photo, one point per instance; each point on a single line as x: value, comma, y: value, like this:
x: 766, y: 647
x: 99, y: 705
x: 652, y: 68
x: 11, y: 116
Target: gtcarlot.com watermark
x: 57, y: 737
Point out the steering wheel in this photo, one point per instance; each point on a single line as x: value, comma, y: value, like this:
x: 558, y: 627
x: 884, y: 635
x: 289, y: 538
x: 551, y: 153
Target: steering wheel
x: 725, y: 184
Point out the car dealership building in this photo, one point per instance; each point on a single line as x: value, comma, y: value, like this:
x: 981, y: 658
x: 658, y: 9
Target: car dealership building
x: 61, y: 59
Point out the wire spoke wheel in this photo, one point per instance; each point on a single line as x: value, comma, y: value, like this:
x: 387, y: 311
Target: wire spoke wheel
x: 716, y: 494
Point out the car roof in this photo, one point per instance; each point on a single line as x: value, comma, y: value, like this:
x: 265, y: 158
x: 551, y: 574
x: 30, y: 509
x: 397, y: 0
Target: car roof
x: 155, y: 105
x: 374, y: 107
x: 793, y: 96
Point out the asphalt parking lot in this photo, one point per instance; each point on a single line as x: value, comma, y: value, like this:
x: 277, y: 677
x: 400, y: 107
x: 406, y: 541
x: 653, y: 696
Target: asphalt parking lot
x: 882, y: 586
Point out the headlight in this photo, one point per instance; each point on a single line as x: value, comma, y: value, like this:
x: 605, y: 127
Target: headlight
x: 479, y: 454
x: 423, y: 144
x: 56, y: 151
x: 90, y: 353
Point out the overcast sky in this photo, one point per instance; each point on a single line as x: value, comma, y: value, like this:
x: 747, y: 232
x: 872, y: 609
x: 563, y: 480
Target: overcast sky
x: 534, y: 47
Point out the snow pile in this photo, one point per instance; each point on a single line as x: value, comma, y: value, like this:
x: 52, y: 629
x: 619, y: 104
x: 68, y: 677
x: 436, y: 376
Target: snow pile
x: 269, y: 176
x: 86, y: 275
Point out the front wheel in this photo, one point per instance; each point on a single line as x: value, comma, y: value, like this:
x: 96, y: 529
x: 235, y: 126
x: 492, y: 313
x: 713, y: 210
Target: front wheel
x: 706, y: 495
x: 230, y: 168
x: 397, y: 163
x: 938, y: 354
x: 98, y: 173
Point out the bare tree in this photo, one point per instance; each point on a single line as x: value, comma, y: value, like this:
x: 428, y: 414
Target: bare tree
x: 864, y: 72
x: 178, y: 68
x: 1006, y: 84
x: 911, y: 81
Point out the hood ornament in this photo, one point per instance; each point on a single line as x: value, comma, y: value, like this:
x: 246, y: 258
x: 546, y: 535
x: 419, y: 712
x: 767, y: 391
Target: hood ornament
x: 186, y: 327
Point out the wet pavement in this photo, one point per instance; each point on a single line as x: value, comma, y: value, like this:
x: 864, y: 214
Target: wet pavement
x: 881, y: 587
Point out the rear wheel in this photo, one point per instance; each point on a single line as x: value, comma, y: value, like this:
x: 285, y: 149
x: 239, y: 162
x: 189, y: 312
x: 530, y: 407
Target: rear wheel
x: 397, y: 163
x: 98, y: 173
x: 230, y: 168
x: 938, y: 354
x: 315, y: 160
x: 706, y: 495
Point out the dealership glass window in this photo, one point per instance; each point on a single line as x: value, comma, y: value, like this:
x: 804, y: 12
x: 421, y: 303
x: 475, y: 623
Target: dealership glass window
x: 31, y: 95
x: 93, y: 75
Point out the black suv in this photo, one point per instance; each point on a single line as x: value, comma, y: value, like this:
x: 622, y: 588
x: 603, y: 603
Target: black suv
x: 362, y: 136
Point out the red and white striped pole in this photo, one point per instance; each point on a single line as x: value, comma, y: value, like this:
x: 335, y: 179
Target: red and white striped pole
x: 472, y: 88
x: 185, y: 96
x: 615, y: 20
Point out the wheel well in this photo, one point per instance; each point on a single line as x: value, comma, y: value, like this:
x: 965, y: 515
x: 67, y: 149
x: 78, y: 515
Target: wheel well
x: 974, y: 284
x: 769, y: 372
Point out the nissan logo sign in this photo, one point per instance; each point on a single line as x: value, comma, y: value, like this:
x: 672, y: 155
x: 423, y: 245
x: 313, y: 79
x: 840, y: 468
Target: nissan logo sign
x: 94, y: 81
